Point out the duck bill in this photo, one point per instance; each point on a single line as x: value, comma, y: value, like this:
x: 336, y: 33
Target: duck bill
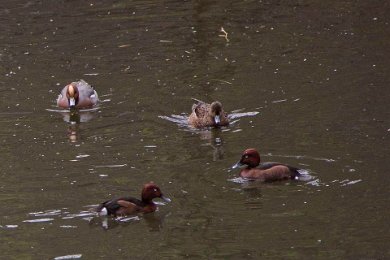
x: 165, y: 198
x: 237, y: 165
x: 72, y: 102
x: 217, y: 120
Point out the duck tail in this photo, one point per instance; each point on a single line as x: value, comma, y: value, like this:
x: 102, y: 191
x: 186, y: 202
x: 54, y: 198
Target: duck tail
x: 296, y: 172
x: 198, y: 100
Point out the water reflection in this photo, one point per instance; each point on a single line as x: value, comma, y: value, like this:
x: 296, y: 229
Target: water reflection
x: 73, y: 132
x: 212, y: 135
x: 153, y: 220
x: 214, y: 140
x: 74, y: 117
x: 234, y: 117
x: 111, y: 223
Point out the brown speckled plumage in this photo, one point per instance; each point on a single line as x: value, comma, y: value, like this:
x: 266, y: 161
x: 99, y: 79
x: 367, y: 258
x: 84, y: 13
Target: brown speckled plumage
x: 207, y: 115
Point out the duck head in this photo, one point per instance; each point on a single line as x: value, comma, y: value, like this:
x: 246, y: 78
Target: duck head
x: 72, y: 93
x: 216, y: 111
x: 151, y: 191
x: 250, y: 158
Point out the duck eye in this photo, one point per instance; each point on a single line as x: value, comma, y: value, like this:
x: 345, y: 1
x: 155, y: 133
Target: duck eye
x: 155, y: 190
x: 246, y: 156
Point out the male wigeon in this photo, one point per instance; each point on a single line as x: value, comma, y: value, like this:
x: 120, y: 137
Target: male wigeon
x: 129, y: 205
x: 206, y: 115
x: 77, y: 94
x: 266, y: 172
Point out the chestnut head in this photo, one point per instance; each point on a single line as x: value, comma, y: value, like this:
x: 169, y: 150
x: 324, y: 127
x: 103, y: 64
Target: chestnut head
x: 250, y: 158
x: 151, y: 191
x: 72, y: 93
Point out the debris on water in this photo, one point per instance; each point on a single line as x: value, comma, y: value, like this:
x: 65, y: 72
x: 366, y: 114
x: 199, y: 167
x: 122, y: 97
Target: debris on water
x: 224, y: 35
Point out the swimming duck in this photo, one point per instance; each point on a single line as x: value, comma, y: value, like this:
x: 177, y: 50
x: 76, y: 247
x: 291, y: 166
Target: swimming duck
x: 205, y: 115
x: 129, y: 205
x: 266, y: 172
x: 77, y: 94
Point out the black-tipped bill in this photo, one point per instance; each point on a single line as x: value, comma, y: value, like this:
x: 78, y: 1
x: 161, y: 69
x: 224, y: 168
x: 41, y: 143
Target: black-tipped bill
x: 217, y: 120
x: 165, y: 198
x: 72, y: 102
x: 238, y: 165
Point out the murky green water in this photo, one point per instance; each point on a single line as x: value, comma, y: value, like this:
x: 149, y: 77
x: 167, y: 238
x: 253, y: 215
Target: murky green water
x: 317, y: 73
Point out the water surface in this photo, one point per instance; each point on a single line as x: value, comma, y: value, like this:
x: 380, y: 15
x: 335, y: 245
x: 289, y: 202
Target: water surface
x: 317, y: 73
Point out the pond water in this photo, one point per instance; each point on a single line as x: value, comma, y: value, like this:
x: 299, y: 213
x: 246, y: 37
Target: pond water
x: 316, y: 73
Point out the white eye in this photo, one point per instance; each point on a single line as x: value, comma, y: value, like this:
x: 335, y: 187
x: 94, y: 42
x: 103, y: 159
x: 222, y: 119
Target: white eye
x: 155, y: 190
x: 246, y: 156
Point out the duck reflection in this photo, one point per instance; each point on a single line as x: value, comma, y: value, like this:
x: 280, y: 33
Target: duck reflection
x: 73, y: 132
x: 74, y: 117
x: 153, y: 220
x: 214, y: 140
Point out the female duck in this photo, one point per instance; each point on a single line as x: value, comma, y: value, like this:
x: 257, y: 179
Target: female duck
x: 77, y: 94
x: 206, y: 115
x: 129, y: 205
x: 266, y: 172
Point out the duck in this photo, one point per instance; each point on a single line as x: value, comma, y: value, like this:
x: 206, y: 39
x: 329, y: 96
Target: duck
x: 265, y: 172
x: 207, y: 115
x: 78, y: 94
x: 128, y: 205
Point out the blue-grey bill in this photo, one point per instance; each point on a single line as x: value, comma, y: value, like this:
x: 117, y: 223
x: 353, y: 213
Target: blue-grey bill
x: 217, y: 119
x: 237, y: 165
x: 72, y: 102
x: 165, y: 198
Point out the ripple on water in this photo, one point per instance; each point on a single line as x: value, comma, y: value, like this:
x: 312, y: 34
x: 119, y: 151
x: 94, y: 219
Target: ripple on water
x: 239, y: 180
x: 127, y: 219
x: 67, y: 110
x: 80, y: 215
x: 239, y: 115
x: 68, y: 226
x: 38, y: 220
x: 76, y: 256
x: 110, y: 166
x: 182, y: 120
x: 349, y: 182
x: 52, y: 212
x: 9, y: 226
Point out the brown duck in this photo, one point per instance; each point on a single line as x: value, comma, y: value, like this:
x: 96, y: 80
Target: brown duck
x: 129, y: 205
x: 207, y: 115
x: 266, y: 172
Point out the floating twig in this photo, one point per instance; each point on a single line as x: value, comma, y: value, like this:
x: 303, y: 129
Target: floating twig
x: 224, y: 35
